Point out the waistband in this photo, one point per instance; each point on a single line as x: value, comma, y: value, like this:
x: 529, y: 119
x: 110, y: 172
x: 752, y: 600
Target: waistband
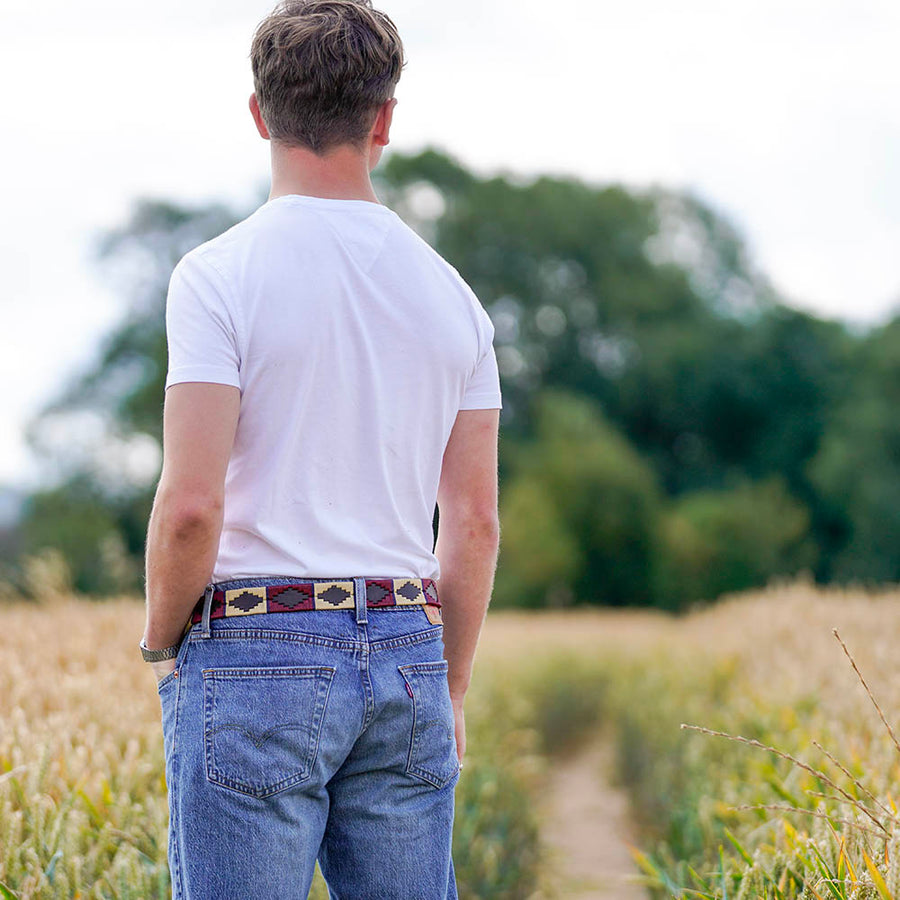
x: 316, y: 593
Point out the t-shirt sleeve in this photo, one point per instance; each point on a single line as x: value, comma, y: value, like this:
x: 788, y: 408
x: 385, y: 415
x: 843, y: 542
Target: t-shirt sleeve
x: 483, y: 387
x: 200, y: 332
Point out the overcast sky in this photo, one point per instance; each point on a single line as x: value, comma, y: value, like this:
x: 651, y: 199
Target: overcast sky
x: 782, y: 114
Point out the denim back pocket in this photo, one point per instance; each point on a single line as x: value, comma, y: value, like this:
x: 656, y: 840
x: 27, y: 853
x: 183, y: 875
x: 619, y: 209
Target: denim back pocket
x: 432, y: 745
x: 262, y: 725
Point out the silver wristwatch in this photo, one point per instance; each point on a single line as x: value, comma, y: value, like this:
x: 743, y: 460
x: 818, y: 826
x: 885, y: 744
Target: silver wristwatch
x: 158, y: 655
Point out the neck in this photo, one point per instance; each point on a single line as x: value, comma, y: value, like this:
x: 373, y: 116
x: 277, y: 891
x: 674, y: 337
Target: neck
x: 341, y: 174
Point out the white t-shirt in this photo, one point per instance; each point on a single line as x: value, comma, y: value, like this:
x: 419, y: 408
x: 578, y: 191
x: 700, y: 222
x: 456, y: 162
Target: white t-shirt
x: 354, y: 345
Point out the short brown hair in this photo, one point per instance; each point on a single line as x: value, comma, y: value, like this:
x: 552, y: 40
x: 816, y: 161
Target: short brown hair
x: 321, y: 70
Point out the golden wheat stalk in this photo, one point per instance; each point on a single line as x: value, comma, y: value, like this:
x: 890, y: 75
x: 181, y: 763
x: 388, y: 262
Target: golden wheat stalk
x: 12, y: 772
x: 834, y: 631
x: 785, y: 807
x: 855, y: 781
x: 797, y: 762
x: 824, y: 796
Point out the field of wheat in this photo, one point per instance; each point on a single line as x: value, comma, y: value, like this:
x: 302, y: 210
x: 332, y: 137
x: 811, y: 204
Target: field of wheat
x: 807, y: 811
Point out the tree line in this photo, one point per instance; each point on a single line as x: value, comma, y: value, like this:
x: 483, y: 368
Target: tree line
x: 672, y: 429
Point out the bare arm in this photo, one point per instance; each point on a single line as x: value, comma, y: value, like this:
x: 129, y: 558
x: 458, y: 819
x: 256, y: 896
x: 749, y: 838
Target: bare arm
x: 199, y: 423
x: 468, y: 538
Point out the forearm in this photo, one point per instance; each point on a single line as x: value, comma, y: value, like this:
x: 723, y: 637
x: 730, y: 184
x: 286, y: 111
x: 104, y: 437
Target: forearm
x: 468, y: 559
x: 182, y: 543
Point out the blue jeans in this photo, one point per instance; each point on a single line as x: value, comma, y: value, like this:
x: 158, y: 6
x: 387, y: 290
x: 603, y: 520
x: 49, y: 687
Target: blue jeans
x: 323, y: 734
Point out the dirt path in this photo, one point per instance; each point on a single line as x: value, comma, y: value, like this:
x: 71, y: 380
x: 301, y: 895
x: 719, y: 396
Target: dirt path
x: 587, y: 829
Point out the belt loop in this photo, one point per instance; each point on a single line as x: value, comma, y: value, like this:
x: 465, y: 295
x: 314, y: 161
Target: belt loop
x: 359, y: 593
x: 207, y: 609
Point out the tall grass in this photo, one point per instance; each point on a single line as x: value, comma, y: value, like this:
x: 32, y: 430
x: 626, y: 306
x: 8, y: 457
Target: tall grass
x: 783, y: 783
x: 785, y: 786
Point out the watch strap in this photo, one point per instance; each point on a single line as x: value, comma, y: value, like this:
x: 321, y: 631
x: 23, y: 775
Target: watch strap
x: 158, y: 655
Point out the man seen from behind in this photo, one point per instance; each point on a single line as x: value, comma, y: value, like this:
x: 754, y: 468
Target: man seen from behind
x: 331, y: 380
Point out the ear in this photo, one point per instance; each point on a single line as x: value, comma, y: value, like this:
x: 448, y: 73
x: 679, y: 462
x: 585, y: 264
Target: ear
x: 257, y: 117
x: 382, y: 127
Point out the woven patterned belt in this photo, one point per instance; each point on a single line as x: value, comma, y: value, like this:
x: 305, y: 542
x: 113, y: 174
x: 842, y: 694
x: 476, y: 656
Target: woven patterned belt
x: 321, y: 594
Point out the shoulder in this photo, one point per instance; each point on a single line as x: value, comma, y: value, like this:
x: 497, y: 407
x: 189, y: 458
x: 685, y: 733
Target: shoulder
x: 451, y: 274
x: 473, y: 305
x: 198, y: 272
x: 206, y: 275
x: 216, y: 252
x: 225, y: 254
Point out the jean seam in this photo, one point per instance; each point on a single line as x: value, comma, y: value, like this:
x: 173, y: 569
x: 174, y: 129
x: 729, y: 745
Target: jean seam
x: 244, y: 634
x: 409, y: 640
x: 178, y: 890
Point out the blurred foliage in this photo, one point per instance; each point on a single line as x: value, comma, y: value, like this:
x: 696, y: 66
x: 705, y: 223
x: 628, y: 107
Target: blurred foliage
x: 584, y: 501
x: 856, y: 471
x: 76, y: 521
x: 671, y: 430
x: 721, y: 541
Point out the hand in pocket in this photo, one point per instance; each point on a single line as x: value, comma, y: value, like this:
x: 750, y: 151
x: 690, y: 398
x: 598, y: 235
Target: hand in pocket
x: 460, y: 721
x: 163, y: 668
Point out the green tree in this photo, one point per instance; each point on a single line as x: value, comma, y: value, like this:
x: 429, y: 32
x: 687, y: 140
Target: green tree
x: 856, y: 472
x: 719, y: 541
x: 78, y: 520
x: 539, y: 553
x: 580, y: 515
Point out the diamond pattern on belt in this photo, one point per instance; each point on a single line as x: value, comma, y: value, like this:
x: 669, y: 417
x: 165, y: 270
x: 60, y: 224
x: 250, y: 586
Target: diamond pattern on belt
x: 334, y: 595
x: 319, y: 594
x: 245, y: 601
x: 408, y: 591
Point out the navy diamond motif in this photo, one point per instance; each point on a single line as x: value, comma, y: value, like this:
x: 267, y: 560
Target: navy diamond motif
x: 375, y: 593
x: 409, y: 591
x: 334, y: 595
x: 246, y: 601
x: 291, y: 598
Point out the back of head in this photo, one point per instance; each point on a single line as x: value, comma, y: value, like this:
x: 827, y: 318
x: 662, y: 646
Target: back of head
x: 322, y: 69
